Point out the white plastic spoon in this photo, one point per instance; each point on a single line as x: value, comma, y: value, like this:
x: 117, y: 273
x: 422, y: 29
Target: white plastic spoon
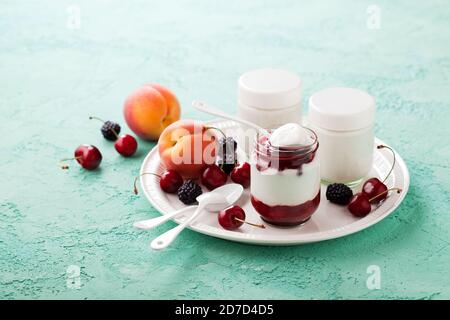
x: 217, y: 199
x: 154, y: 222
x: 203, y: 106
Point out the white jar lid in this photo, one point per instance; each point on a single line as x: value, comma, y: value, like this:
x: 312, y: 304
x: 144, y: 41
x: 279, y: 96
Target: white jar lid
x: 341, y: 109
x: 269, y: 89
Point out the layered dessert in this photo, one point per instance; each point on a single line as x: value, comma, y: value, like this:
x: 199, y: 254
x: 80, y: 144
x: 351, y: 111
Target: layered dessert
x: 285, y: 171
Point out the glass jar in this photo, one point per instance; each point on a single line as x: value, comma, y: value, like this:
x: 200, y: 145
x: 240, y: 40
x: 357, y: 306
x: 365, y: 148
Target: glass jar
x: 285, y: 183
x: 343, y: 119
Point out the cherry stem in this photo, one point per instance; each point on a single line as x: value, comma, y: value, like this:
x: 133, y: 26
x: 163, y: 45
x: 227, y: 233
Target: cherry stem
x: 252, y: 224
x: 215, y: 128
x: 97, y: 118
x: 65, y: 166
x: 135, y: 189
x: 115, y: 133
x: 384, y: 192
x: 382, y: 146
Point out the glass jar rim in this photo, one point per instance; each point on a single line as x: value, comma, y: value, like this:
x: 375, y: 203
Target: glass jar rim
x: 288, y: 149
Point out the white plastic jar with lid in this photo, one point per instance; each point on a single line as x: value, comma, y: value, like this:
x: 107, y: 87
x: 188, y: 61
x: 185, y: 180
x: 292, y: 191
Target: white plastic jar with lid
x: 343, y: 119
x: 269, y: 97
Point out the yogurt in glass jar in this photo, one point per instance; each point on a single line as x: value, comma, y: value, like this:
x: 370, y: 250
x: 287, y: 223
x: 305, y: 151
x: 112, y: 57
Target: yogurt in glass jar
x: 285, y: 171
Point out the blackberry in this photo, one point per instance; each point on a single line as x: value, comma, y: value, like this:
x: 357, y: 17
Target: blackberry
x: 339, y: 193
x: 227, y: 145
x: 227, y: 163
x: 107, y: 130
x: 189, y: 191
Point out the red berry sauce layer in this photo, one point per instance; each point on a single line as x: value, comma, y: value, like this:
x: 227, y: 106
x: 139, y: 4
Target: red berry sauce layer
x: 282, y: 158
x: 286, y: 215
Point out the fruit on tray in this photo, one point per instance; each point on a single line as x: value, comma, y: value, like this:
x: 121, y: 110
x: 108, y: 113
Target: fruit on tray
x: 150, y: 109
x: 226, y: 154
x: 227, y: 144
x: 241, y: 174
x: 189, y: 191
x: 88, y: 156
x: 233, y: 217
x: 169, y: 181
x: 213, y: 177
x: 373, y: 186
x: 339, y: 193
x: 360, y: 205
x: 110, y: 130
x: 226, y: 162
x: 186, y: 146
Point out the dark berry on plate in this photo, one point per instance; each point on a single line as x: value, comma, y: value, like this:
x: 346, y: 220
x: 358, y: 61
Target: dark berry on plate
x: 227, y: 163
x: 227, y: 145
x: 339, y: 193
x: 108, y: 130
x: 189, y: 191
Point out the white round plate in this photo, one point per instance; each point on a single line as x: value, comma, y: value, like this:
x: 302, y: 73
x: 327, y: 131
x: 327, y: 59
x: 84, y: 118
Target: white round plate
x: 328, y: 222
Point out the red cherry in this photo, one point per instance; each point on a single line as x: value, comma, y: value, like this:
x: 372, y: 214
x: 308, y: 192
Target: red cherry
x: 169, y: 181
x: 241, y: 174
x: 233, y: 217
x: 126, y: 145
x: 359, y: 205
x: 213, y: 177
x: 88, y: 156
x: 373, y: 187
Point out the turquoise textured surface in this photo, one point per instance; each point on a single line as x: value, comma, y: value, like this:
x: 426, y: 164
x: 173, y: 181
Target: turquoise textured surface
x: 55, y: 72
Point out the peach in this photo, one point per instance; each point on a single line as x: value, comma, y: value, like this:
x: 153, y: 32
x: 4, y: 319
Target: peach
x: 150, y: 109
x: 186, y: 146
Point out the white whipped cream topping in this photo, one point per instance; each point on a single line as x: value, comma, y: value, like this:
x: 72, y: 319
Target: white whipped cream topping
x: 290, y: 134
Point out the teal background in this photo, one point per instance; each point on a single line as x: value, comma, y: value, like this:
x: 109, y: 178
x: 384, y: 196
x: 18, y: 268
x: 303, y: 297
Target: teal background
x: 53, y: 77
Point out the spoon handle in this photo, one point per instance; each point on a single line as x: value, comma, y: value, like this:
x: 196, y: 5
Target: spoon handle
x: 154, y: 222
x: 164, y: 240
x: 203, y: 106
